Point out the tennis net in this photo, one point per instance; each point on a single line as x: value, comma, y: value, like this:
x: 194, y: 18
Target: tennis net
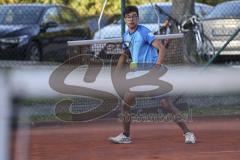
x: 105, y: 49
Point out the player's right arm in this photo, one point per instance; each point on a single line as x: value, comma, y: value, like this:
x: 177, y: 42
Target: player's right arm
x: 124, y: 55
x: 161, y: 51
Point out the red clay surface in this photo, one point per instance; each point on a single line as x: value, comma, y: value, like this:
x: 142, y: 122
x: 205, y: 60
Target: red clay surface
x: 218, y: 139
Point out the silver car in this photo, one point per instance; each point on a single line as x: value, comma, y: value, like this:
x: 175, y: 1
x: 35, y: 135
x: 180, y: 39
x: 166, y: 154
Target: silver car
x: 148, y: 18
x: 221, y: 24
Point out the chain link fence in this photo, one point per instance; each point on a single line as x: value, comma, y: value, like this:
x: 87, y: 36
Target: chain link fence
x: 222, y: 28
x: 34, y: 44
x: 37, y: 34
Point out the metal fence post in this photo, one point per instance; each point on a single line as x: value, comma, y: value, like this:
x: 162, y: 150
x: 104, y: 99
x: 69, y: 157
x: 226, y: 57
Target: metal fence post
x: 123, y: 4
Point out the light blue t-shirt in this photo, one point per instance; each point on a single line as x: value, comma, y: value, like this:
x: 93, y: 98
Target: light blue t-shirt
x: 140, y: 45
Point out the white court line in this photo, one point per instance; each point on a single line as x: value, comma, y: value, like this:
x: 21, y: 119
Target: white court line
x: 216, y: 152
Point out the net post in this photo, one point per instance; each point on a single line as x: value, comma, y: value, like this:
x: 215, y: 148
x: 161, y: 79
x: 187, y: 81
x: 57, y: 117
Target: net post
x: 5, y: 107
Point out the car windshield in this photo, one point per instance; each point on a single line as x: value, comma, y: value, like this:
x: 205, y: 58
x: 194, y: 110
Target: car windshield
x: 225, y: 10
x: 11, y: 15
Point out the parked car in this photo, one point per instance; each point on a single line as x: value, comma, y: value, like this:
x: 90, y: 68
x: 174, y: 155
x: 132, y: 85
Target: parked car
x: 221, y: 24
x: 38, y: 31
x: 148, y: 18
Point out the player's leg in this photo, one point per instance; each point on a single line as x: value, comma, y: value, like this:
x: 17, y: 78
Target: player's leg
x: 167, y: 105
x: 129, y: 100
x: 124, y: 137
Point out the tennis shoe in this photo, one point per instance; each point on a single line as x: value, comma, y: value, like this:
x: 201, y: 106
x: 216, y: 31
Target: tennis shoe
x: 189, y: 138
x: 120, y: 139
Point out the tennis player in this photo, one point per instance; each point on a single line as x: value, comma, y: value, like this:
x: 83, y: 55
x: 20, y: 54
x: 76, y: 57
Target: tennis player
x: 144, y: 48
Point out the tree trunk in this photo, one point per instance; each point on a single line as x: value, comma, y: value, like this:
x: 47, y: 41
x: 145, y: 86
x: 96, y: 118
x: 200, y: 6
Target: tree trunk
x: 66, y: 2
x: 182, y: 10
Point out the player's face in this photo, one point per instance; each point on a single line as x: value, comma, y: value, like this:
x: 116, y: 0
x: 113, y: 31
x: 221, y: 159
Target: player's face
x: 131, y: 19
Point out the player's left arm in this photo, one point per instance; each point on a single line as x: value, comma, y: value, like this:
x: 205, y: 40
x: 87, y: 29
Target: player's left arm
x: 161, y: 51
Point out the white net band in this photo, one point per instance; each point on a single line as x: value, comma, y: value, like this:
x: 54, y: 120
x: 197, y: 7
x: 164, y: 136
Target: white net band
x: 118, y: 40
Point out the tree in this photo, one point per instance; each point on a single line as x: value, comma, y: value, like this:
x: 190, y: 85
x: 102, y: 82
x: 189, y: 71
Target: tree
x: 210, y: 2
x: 181, y: 10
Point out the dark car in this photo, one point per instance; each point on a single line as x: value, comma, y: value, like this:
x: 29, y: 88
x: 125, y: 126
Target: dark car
x: 38, y: 32
x: 220, y: 25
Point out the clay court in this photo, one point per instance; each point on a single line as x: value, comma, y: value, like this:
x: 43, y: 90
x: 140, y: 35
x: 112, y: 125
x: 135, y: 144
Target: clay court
x: 218, y: 138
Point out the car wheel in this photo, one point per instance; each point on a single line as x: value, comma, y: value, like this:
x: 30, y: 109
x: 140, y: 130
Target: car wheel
x: 33, y: 52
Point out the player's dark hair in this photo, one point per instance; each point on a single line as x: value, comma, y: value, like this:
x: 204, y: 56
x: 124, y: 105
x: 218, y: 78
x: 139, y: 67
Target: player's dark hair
x: 130, y: 9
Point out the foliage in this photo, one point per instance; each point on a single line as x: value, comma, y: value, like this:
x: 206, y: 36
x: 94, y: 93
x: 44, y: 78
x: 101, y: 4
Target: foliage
x: 87, y: 7
x: 93, y: 7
